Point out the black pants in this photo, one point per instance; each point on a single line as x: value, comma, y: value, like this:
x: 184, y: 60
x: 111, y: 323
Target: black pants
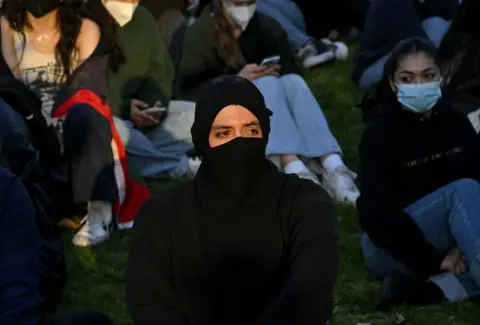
x: 83, y: 318
x: 324, y: 15
x: 88, y: 151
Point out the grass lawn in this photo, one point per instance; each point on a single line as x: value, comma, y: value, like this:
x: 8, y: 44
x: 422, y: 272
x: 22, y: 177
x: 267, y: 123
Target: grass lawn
x: 96, y: 276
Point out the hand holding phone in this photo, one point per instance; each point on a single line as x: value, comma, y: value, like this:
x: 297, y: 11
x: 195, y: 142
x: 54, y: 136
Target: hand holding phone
x: 156, y: 111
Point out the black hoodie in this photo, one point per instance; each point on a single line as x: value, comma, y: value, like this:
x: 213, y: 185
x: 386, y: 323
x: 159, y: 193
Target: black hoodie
x: 403, y: 158
x: 236, y: 245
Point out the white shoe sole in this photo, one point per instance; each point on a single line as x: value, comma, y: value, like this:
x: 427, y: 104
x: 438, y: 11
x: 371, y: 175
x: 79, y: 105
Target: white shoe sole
x: 315, y: 60
x: 81, y: 240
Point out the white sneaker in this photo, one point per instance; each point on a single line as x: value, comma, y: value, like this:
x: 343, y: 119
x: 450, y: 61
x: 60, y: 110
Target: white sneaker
x: 96, y: 226
x: 193, y: 166
x: 340, y: 49
x: 340, y: 185
x: 315, y: 53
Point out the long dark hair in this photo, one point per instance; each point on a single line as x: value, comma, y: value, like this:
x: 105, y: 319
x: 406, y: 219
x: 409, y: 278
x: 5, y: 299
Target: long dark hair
x: 381, y: 92
x: 460, y: 47
x: 225, y: 40
x: 109, y: 26
x: 69, y: 21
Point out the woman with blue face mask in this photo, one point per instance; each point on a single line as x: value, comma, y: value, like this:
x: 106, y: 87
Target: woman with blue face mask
x: 419, y: 208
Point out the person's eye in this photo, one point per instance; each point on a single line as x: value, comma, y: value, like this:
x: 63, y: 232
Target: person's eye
x: 405, y: 79
x: 430, y: 76
x: 222, y: 134
x: 253, y: 132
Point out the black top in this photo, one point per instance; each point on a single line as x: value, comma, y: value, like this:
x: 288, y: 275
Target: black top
x: 200, y: 61
x: 391, y: 21
x: 403, y: 158
x: 255, y: 246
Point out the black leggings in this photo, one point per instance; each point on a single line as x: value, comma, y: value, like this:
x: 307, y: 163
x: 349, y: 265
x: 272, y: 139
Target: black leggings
x: 88, y: 151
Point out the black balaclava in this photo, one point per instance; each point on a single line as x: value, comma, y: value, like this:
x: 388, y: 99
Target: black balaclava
x: 230, y: 168
x: 39, y: 8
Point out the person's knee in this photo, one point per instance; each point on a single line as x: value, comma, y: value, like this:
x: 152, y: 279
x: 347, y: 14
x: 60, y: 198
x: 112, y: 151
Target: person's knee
x: 87, y: 117
x: 271, y: 80
x: 294, y: 81
x: 433, y: 22
x: 270, y: 85
x: 467, y: 185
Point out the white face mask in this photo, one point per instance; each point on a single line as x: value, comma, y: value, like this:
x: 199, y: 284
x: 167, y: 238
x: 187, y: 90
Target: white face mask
x: 122, y: 12
x: 241, y: 15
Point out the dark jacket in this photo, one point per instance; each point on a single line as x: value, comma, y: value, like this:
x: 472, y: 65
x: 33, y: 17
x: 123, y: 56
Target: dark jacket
x: 158, y: 7
x: 461, y: 70
x: 200, y: 62
x: 403, y: 158
x: 390, y: 21
x: 264, y: 269
x: 20, y: 246
x: 31, y: 150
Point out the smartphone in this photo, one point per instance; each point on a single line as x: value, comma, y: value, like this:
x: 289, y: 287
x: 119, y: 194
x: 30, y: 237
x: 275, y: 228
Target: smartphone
x: 155, y: 109
x: 272, y: 60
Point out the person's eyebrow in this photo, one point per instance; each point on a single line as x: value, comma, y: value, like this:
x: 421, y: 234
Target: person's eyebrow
x: 218, y: 126
x: 253, y: 123
x: 406, y: 72
x: 430, y: 69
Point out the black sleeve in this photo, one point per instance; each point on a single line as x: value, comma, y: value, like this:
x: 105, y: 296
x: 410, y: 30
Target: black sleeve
x: 381, y: 217
x: 21, y: 301
x: 307, y: 294
x: 199, y: 61
x: 284, y: 48
x: 151, y: 297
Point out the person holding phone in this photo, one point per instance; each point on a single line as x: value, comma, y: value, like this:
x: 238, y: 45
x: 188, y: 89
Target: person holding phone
x: 154, y: 128
x: 231, y: 37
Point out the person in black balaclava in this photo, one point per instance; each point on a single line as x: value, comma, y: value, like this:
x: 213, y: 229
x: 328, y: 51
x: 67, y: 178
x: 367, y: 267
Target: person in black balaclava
x: 242, y: 243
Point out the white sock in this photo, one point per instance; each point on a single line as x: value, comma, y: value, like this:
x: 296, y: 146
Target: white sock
x: 295, y: 167
x: 332, y: 161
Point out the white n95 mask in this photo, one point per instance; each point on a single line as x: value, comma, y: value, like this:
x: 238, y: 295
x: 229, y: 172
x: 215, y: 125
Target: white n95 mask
x: 122, y: 12
x: 241, y: 15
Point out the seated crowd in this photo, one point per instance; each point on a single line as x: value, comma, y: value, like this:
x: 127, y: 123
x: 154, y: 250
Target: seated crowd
x: 100, y: 97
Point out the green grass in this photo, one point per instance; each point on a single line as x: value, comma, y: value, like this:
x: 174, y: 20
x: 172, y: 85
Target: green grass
x: 96, y: 276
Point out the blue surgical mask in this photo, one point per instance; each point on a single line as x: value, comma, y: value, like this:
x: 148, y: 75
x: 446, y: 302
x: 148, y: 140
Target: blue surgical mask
x: 419, y: 98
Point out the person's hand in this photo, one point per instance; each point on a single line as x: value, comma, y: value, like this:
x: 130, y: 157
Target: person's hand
x: 273, y: 70
x: 156, y: 115
x: 454, y: 262
x: 140, y: 118
x: 253, y: 71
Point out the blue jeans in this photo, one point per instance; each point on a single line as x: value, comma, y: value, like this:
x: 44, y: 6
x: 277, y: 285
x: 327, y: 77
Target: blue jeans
x: 448, y: 217
x: 289, y: 16
x: 298, y: 125
x: 160, y: 152
x: 434, y: 27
